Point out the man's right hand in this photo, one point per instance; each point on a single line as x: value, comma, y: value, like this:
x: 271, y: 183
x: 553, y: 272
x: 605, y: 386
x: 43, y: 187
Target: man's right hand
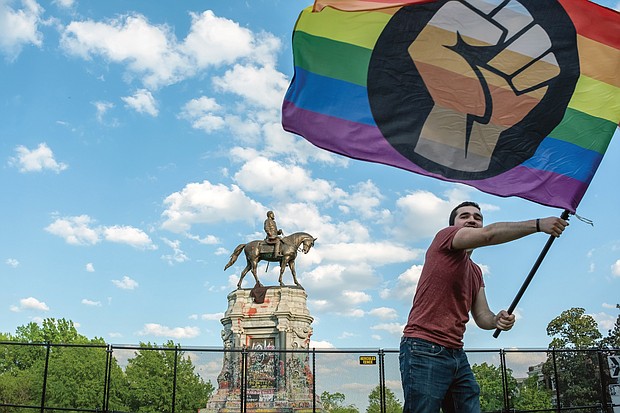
x: 553, y: 226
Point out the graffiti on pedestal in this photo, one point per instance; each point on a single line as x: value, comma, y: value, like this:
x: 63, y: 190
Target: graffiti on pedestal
x: 262, y: 370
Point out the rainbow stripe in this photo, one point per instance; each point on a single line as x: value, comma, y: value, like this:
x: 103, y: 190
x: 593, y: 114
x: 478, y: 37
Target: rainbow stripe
x: 327, y: 102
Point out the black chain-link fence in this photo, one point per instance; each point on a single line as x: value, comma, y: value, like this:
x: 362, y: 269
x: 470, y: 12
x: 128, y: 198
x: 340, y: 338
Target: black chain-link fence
x: 173, y: 379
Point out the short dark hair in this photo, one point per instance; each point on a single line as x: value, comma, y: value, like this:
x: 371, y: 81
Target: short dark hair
x: 462, y: 204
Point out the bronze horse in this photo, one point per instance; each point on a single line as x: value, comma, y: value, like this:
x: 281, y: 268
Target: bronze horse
x: 258, y: 250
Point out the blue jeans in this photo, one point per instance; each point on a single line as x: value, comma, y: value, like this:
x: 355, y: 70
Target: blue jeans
x: 436, y: 377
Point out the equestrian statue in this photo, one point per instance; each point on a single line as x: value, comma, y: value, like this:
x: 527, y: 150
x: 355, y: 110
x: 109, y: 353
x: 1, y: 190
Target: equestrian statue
x: 272, y: 249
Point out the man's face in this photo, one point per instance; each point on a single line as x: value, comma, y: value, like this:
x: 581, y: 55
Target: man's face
x: 468, y: 216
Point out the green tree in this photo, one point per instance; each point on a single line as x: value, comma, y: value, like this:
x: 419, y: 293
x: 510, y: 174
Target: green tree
x: 76, y: 367
x: 489, y: 378
x: 392, y: 404
x: 578, y: 371
x: 532, y: 395
x: 151, y: 377
x: 334, y: 403
x: 77, y: 374
x: 573, y: 329
x: 613, y: 337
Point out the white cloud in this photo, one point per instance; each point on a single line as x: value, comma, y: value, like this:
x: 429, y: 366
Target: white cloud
x: 158, y: 330
x: 321, y: 344
x: 128, y: 235
x: 79, y: 230
x: 261, y: 86
x: 392, y: 328
x: 12, y: 262
x: 330, y: 280
x: 91, y: 303
x: 406, y: 284
x: 75, y: 230
x: 142, y: 102
x: 615, y: 269
x: 153, y: 53
x: 102, y: 108
x: 363, y: 200
x: 216, y: 40
x: 148, y: 50
x: 207, y: 240
x: 306, y: 217
x: 90, y: 267
x: 605, y: 321
x: 126, y: 283
x: 212, y: 317
x: 19, y: 28
x: 351, y: 312
x: 377, y: 253
x: 178, y: 255
x: 36, y: 160
x: 356, y: 297
x: 384, y: 313
x: 202, y: 113
x: 420, y: 215
x: 262, y: 175
x: 204, y: 203
x: 340, y: 289
x: 67, y: 4
x: 30, y: 303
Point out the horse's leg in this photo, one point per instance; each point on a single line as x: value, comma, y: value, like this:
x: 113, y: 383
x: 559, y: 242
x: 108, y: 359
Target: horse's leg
x: 291, y: 265
x: 282, y: 268
x: 254, y: 266
x: 243, y: 273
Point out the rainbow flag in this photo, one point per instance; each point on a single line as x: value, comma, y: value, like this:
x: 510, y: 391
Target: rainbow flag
x: 517, y: 98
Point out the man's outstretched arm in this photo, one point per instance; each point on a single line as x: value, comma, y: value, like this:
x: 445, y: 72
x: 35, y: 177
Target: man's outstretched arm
x: 501, y: 232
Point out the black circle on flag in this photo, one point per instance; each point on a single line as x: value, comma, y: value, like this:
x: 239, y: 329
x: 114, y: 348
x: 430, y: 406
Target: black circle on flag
x: 469, y: 90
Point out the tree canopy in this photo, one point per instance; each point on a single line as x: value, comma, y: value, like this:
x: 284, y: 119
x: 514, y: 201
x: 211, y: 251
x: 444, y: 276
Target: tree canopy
x: 574, y: 329
x: 334, y: 403
x: 392, y: 404
x: 79, y: 369
x: 578, y: 372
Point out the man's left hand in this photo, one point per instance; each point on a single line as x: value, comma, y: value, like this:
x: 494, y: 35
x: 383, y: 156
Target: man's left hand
x: 504, y: 321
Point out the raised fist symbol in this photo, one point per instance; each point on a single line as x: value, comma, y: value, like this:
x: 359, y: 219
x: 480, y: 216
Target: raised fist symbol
x: 486, y: 67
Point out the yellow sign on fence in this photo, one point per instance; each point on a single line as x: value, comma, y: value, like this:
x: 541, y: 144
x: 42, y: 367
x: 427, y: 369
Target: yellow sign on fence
x: 368, y: 359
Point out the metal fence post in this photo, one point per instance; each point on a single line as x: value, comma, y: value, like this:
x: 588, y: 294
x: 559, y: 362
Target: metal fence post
x: 244, y: 378
x: 502, y: 362
x: 45, y: 370
x: 106, y: 377
x: 313, y: 380
x: 604, y: 381
x: 174, y: 377
x: 382, y: 380
x: 557, y: 382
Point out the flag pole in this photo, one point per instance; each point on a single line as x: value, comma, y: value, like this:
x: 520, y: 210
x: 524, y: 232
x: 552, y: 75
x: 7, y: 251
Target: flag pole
x: 527, y: 281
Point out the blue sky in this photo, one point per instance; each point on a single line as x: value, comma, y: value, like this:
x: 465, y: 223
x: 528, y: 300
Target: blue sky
x: 140, y: 143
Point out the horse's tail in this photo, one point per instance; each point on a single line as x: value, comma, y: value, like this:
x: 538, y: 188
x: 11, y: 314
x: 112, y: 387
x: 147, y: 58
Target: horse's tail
x: 234, y: 255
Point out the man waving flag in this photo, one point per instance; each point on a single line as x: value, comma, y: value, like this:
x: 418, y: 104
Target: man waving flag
x: 515, y: 98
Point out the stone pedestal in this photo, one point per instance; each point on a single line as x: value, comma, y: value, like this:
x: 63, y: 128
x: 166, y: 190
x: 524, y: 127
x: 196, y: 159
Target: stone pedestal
x: 277, y: 380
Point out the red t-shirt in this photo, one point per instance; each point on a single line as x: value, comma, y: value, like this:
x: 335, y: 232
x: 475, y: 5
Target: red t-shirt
x: 448, y: 285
